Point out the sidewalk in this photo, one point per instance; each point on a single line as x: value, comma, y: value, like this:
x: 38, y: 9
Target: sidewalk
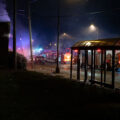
x: 50, y: 69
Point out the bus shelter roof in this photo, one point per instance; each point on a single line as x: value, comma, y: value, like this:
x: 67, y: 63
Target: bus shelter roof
x: 106, y: 44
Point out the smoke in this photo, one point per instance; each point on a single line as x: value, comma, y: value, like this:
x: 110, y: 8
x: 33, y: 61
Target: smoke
x: 3, y: 12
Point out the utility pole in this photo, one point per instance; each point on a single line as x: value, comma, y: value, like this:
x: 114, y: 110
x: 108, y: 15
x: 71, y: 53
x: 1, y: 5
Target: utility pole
x: 30, y: 33
x: 14, y: 36
x: 58, y: 37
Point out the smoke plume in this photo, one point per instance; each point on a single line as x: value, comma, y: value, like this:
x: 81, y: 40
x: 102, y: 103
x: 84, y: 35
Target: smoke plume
x: 3, y: 12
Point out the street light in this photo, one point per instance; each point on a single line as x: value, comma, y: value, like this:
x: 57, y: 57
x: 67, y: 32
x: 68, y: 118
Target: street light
x: 93, y: 28
x: 65, y: 40
x: 64, y: 34
x: 55, y: 44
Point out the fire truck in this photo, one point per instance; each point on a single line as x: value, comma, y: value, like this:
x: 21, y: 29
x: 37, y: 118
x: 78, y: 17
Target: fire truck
x: 66, y: 56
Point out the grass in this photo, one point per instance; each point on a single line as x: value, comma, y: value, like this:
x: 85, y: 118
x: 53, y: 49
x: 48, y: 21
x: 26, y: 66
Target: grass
x: 35, y: 96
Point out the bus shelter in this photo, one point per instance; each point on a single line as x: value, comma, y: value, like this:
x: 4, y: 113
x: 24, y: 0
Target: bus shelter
x: 92, y: 46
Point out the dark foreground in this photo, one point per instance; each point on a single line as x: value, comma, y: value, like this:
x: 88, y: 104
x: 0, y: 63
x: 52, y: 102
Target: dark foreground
x: 34, y: 96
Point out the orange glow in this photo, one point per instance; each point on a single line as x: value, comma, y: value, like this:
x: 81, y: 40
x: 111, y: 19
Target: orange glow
x: 67, y: 57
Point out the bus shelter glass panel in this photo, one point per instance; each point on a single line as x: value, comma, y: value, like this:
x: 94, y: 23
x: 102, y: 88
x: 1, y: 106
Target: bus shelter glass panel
x: 82, y: 65
x: 117, y: 69
x: 109, y: 67
x: 74, y: 64
x: 97, y: 61
x: 89, y: 64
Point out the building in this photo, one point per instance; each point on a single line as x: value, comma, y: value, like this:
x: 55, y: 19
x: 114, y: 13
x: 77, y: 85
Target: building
x: 4, y: 39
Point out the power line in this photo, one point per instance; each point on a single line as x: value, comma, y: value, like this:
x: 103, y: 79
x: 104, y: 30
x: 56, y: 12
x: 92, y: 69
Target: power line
x: 3, y: 14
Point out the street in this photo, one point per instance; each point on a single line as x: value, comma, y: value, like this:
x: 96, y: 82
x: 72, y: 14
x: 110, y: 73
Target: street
x: 65, y: 72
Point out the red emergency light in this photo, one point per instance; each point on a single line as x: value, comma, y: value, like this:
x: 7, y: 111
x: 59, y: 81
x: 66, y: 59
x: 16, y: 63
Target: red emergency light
x: 76, y: 51
x: 99, y: 50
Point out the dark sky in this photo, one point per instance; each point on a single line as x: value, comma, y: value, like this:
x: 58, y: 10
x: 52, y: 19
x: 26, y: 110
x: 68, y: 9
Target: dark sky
x: 76, y: 17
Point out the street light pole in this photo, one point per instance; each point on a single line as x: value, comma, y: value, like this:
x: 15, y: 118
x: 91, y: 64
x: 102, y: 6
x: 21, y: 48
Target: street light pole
x: 58, y: 38
x: 14, y: 36
x: 30, y: 33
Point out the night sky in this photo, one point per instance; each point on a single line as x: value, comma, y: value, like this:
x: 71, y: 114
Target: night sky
x: 76, y: 17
